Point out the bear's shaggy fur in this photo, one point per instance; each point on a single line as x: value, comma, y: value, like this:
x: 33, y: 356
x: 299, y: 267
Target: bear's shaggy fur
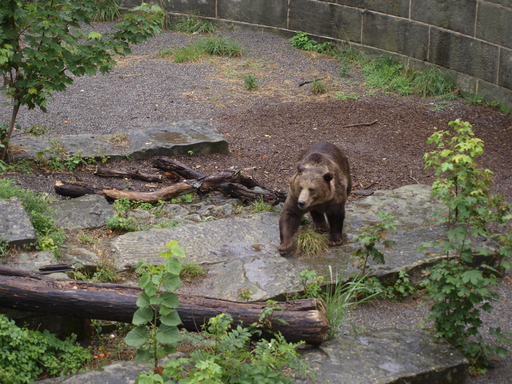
x: 320, y: 185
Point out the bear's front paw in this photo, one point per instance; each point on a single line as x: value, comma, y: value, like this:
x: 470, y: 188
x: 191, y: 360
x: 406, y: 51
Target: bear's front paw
x: 333, y: 243
x: 285, y: 251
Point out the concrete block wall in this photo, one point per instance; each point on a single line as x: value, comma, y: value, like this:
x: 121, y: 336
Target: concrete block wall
x: 470, y: 39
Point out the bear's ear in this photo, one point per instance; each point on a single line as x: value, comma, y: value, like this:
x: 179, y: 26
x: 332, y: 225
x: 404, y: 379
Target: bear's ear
x: 300, y: 168
x: 328, y: 177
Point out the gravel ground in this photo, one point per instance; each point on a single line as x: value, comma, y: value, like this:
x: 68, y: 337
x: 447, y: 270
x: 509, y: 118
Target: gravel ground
x: 268, y: 127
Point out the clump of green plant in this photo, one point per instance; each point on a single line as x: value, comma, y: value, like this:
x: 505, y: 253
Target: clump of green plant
x: 106, y: 10
x: 400, y: 288
x: 302, y: 41
x: 337, y: 296
x: 4, y: 247
x: 251, y: 82
x: 259, y: 205
x: 221, y: 46
x: 50, y: 236
x: 458, y: 288
x: 195, y: 26
x: 190, y: 53
x: 226, y: 356
x: 21, y: 166
x: 120, y: 139
x: 156, y: 333
x: 317, y: 87
x: 345, y: 96
x: 27, y: 354
x: 192, y: 271
x: 309, y: 242
x: 432, y: 83
x: 245, y: 294
x: 369, y: 236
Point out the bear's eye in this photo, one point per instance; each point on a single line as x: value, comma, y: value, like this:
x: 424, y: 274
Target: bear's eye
x: 311, y: 190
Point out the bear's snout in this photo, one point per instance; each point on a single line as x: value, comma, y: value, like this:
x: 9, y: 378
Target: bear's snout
x: 301, y: 204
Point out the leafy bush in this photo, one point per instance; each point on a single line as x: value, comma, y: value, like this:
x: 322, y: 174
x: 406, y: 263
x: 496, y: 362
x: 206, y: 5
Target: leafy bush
x: 302, y: 41
x: 458, y: 288
x: 27, y: 354
x: 39, y: 212
x: 251, y: 82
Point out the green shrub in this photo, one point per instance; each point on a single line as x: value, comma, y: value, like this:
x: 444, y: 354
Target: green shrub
x: 459, y: 289
x: 26, y: 354
x: 251, y: 82
x: 302, y: 41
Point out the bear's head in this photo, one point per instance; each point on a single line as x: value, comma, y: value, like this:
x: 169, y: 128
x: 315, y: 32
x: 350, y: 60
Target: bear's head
x: 312, y: 186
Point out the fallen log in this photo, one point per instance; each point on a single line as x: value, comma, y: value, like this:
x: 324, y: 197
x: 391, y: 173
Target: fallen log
x: 177, y: 168
x: 244, y: 194
x: 201, y: 186
x: 106, y: 172
x: 306, y: 318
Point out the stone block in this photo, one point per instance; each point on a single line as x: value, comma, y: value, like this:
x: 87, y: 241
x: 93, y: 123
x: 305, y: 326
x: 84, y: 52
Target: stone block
x: 89, y: 211
x: 326, y: 19
x: 391, y: 7
x: 15, y: 225
x: 505, y: 76
x: 396, y: 35
x: 388, y: 356
x: 505, y: 3
x: 192, y: 7
x: 492, y: 92
x: 494, y: 24
x: 458, y: 16
x: 464, y: 54
x: 264, y: 12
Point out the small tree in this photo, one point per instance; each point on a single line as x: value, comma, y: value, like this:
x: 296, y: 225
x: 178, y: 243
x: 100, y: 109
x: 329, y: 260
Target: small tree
x: 42, y: 46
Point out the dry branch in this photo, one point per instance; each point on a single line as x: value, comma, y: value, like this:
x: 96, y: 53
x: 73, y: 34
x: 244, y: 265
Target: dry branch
x: 357, y: 125
x: 101, y: 171
x: 306, y: 318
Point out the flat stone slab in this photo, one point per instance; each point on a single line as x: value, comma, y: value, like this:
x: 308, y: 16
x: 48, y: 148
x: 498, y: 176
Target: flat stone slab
x: 388, y: 356
x: 169, y: 139
x: 15, y: 225
x: 381, y: 357
x: 89, y: 211
x: 241, y: 252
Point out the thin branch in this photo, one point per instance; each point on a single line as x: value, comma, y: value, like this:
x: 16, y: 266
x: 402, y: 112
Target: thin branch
x: 356, y: 125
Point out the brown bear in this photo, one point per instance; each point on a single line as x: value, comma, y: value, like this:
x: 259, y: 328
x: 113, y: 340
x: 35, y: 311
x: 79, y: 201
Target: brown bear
x: 320, y: 185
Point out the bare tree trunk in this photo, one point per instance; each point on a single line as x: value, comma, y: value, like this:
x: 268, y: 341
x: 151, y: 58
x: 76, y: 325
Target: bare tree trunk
x: 15, y: 110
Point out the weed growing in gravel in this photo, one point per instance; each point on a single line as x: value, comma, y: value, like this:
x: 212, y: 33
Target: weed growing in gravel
x: 317, y: 87
x: 251, y: 82
x: 458, y: 288
x: 49, y: 235
x: 191, y: 53
x: 106, y: 10
x: 220, y: 46
x: 195, y: 26
x: 345, y: 96
x: 302, y: 41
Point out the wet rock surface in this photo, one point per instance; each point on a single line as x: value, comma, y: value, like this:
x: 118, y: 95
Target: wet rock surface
x: 166, y: 139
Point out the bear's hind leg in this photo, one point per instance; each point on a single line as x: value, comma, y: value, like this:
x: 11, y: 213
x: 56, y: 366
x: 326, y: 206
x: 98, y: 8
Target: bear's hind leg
x: 319, y: 221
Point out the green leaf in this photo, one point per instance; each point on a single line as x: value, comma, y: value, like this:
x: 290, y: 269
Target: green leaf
x: 171, y: 282
x: 473, y: 275
x: 94, y: 36
x: 143, y: 300
x: 170, y: 299
x: 142, y: 316
x: 142, y: 355
x: 172, y: 319
x: 168, y: 335
x: 137, y: 336
x: 177, y: 251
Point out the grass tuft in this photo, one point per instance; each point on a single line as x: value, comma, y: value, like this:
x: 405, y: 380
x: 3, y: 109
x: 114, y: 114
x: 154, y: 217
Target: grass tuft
x: 310, y: 242
x: 194, y: 25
